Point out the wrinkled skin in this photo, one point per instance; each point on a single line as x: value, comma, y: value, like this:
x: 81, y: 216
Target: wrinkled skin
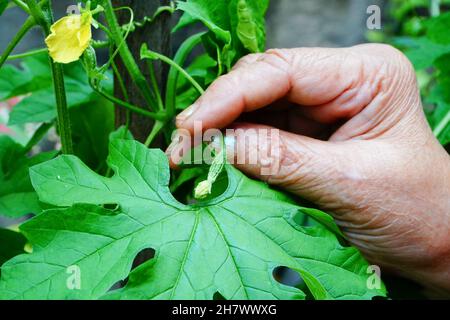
x: 355, y: 142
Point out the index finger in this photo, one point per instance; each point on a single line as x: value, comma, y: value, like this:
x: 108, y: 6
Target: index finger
x: 325, y: 81
x: 247, y: 87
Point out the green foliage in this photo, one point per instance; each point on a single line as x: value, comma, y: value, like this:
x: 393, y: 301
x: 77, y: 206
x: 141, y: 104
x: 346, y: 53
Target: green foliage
x: 236, y: 27
x: 247, y: 28
x: 92, y: 116
x: 34, y: 79
x: 230, y: 244
x: 204, y: 70
x: 402, y: 10
x: 16, y: 243
x: 435, y: 43
x: 3, y: 6
x: 437, y: 30
x: 17, y: 196
x: 92, y: 124
x: 429, y: 51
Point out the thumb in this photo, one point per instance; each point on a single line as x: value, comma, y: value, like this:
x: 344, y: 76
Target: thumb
x: 310, y: 168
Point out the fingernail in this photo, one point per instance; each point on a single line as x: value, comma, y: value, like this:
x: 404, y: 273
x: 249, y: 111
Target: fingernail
x: 186, y: 114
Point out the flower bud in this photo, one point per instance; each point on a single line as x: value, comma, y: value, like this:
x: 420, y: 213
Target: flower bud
x: 202, y: 190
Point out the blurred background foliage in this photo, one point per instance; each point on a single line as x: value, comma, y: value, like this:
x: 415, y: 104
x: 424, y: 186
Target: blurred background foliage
x: 421, y: 28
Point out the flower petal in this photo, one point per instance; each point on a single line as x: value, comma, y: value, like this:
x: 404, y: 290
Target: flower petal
x: 69, y: 38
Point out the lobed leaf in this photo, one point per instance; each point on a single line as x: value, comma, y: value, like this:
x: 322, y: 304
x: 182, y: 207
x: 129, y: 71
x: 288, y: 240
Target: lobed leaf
x: 17, y: 196
x: 230, y: 244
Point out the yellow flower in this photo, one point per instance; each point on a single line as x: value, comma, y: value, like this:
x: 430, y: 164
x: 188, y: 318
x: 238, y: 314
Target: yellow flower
x: 70, y: 37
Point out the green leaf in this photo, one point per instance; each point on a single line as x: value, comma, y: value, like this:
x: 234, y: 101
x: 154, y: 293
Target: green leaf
x: 425, y: 52
x: 92, y: 123
x: 323, y: 218
x: 121, y: 133
x: 11, y: 244
x: 3, y: 6
x: 439, y: 95
x: 230, y: 244
x: 440, y: 121
x: 444, y: 137
x: 34, y: 75
x: 213, y: 14
x: 34, y: 81
x: 247, y: 19
x: 438, y: 28
x: 17, y: 197
x: 236, y: 27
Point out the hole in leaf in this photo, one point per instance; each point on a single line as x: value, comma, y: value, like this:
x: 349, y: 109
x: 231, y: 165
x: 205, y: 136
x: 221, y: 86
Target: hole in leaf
x: 291, y: 278
x: 185, y: 193
x: 195, y: 166
x: 218, y: 296
x: 185, y: 181
x: 287, y: 276
x: 119, y: 284
x: 111, y: 206
x: 218, y: 187
x: 142, y: 257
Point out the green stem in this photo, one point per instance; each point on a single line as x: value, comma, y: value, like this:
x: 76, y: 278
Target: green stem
x: 180, y: 58
x: 145, y: 53
x: 154, y: 83
x: 29, y: 23
x: 159, y: 125
x: 153, y: 115
x: 104, y: 29
x: 64, y: 126
x: 124, y: 91
x: 127, y: 58
x: 21, y: 5
x: 37, y: 13
x: 442, y: 125
x: 63, y: 118
x: 139, y: 24
x: 99, y: 44
x: 27, y: 54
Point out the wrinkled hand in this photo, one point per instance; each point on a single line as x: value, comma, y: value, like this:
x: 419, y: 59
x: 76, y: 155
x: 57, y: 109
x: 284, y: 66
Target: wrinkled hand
x: 356, y: 143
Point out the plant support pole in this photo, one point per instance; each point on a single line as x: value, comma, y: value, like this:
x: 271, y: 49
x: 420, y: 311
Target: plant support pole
x: 156, y: 34
x: 126, y: 55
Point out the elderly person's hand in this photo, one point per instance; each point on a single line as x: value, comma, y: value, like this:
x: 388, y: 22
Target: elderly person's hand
x: 355, y: 142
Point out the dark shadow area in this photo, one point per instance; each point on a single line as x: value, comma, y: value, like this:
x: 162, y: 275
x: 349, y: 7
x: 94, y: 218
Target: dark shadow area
x: 142, y: 257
